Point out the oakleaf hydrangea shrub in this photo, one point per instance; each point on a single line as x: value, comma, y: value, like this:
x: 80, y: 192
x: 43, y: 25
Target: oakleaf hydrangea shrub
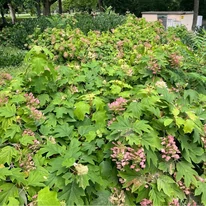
x: 119, y: 121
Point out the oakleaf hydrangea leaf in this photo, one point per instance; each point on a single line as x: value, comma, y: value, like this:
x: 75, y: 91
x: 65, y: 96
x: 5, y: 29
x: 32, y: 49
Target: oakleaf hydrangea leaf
x: 47, y: 197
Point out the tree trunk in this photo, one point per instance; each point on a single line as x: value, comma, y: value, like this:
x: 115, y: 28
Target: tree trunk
x: 38, y: 8
x: 100, y: 5
x: 60, y: 6
x: 46, y: 9
x: 3, y: 17
x: 196, y: 10
x: 12, y: 13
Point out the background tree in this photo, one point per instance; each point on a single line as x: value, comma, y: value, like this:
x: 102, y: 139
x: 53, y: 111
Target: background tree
x: 3, y: 5
x: 196, y: 10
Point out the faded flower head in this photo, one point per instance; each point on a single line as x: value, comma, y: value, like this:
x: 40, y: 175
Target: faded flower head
x: 161, y: 84
x: 81, y: 169
x: 117, y: 197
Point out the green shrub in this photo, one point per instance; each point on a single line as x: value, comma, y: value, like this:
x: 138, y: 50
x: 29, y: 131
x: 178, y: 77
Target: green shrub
x: 98, y: 21
x: 10, y: 56
x: 182, y: 33
x: 119, y: 124
x: 17, y: 34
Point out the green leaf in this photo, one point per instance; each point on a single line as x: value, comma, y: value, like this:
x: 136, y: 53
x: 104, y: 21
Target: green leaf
x: 152, y: 157
x: 201, y: 190
x: 100, y: 118
x: 6, y: 154
x: 189, y: 126
x: 98, y: 103
x: 18, y: 176
x: 45, y: 129
x: 52, y: 149
x: 60, y: 111
x: 102, y: 198
x: 163, y: 183
x: 13, y: 202
x: 26, y: 139
x: 192, y: 94
x: 63, y: 130
x: 83, y: 181
x: 185, y: 171
x: 47, y: 197
x: 175, y: 112
x: 72, y: 194
x: 81, y: 108
x: 7, y: 190
x: 115, y: 89
x: 154, y: 111
x: 8, y: 111
x: 179, y: 121
x: 157, y: 197
x: 43, y: 98
x: 167, y: 122
x: 151, y: 140
x: 38, y: 177
x: 133, y: 180
x: 18, y: 99
x: 135, y: 108
x: 4, y: 172
x: 11, y: 131
x: 132, y: 139
x: 167, y: 167
x: 90, y: 136
x: 142, y: 126
x: 73, y: 153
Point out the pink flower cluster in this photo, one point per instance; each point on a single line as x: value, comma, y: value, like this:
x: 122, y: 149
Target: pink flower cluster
x: 175, y: 59
x: 31, y: 100
x: 111, y: 121
x: 118, y: 104
x: 3, y: 100
x: 170, y: 150
x: 192, y: 203
x: 182, y: 186
x: 146, y: 202
x: 26, y: 162
x: 28, y: 132
x: 36, y: 114
x: 154, y: 67
x: 204, y: 137
x: 175, y: 202
x: 124, y: 156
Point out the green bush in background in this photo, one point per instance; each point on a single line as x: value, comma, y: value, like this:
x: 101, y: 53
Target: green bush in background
x: 17, y: 35
x: 10, y: 56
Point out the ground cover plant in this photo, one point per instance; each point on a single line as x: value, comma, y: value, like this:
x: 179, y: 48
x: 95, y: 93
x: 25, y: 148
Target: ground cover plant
x: 119, y: 119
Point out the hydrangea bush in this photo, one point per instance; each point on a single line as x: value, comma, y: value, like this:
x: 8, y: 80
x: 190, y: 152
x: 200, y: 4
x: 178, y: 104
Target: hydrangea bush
x: 118, y: 120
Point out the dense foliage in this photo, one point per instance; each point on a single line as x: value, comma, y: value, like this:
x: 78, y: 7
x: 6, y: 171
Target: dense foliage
x: 10, y: 56
x: 122, y: 122
x: 18, y: 34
